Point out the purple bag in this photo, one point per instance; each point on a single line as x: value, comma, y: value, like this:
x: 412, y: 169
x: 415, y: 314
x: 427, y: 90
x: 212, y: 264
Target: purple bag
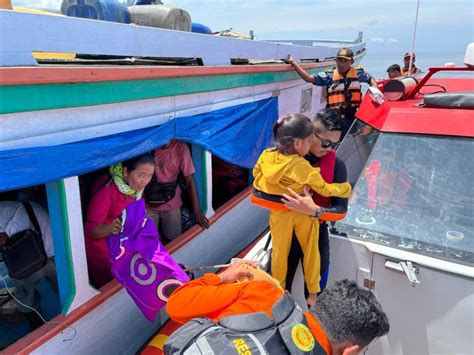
x: 141, y: 263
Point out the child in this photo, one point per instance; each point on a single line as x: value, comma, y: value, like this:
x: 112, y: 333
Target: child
x: 284, y: 167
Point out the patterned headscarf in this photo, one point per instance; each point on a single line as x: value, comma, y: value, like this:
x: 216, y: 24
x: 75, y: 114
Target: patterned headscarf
x: 116, y: 171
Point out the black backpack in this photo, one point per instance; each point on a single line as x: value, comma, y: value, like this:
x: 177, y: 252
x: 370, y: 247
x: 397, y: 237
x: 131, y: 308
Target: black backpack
x: 24, y: 252
x: 252, y: 333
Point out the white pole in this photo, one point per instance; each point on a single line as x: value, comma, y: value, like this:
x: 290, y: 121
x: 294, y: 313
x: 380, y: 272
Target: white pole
x: 414, y: 36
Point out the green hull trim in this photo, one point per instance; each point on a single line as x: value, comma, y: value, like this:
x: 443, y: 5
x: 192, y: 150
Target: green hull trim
x: 21, y: 98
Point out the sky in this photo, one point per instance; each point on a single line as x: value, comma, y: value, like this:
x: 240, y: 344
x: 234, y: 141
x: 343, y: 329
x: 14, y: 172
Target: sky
x: 388, y: 25
x: 443, y: 25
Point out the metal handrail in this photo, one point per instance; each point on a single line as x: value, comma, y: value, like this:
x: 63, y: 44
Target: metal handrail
x: 431, y: 72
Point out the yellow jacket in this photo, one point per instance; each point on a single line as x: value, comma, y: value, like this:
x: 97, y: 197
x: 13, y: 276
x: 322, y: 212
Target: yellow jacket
x: 275, y: 172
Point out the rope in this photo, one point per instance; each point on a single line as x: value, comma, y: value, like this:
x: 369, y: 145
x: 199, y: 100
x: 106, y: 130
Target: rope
x: 39, y: 314
x: 414, y: 36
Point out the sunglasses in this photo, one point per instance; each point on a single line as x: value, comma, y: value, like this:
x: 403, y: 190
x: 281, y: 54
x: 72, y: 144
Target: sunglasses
x: 326, y: 143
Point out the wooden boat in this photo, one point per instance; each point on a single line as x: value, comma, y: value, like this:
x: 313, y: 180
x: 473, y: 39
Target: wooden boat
x: 61, y: 120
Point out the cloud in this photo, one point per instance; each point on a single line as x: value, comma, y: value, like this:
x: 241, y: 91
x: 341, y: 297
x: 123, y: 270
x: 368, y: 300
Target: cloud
x: 383, y: 41
x: 377, y: 40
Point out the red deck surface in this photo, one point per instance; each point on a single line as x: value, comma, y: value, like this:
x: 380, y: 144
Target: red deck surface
x: 407, y: 117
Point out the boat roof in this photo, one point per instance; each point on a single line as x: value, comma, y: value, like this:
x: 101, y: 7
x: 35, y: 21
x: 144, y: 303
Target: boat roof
x: 408, y: 116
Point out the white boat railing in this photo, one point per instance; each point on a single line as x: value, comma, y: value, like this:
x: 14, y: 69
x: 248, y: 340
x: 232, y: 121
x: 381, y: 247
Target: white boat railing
x: 24, y: 33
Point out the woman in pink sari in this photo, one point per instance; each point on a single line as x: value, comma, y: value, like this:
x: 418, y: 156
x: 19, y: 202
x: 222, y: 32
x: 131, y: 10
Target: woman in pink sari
x: 110, y: 195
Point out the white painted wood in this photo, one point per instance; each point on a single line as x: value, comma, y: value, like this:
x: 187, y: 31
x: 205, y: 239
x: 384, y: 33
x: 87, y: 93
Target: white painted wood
x: 84, y: 291
x: 226, y: 237
x: 118, y: 327
x: 23, y: 33
x: 61, y: 126
x: 291, y: 99
x: 208, y: 161
x: 434, y: 317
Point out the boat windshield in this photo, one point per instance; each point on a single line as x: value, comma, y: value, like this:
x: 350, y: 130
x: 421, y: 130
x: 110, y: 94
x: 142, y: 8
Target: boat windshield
x: 411, y: 192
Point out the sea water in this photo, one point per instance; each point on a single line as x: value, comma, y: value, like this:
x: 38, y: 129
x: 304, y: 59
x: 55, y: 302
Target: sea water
x: 376, y: 62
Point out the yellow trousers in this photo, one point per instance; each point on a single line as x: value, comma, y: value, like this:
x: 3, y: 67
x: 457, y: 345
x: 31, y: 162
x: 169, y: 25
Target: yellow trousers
x: 282, y: 225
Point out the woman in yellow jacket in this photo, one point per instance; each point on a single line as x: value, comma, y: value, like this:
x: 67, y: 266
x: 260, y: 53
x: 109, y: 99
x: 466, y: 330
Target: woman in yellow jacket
x: 281, y: 168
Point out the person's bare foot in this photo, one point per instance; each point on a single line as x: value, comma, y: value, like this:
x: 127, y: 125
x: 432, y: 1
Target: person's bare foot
x: 311, y: 300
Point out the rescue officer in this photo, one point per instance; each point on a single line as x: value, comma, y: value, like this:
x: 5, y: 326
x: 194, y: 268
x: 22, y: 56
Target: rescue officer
x: 322, y: 154
x: 342, y: 83
x: 224, y: 316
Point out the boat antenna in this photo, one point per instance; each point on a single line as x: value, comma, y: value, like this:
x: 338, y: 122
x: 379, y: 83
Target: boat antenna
x: 414, y: 37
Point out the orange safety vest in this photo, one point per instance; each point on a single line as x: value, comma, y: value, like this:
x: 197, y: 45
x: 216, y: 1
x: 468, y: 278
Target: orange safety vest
x: 340, y: 88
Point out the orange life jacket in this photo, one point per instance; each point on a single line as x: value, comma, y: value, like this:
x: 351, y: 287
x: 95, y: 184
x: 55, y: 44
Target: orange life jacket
x: 268, y: 201
x: 344, y: 93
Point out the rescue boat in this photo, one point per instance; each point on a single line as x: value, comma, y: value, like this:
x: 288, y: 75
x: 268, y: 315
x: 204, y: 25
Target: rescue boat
x: 408, y: 235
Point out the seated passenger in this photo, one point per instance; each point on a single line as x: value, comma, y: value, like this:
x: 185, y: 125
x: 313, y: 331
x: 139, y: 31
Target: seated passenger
x: 110, y: 195
x: 344, y: 320
x: 171, y: 160
x: 17, y: 217
x: 394, y: 71
x: 406, y: 64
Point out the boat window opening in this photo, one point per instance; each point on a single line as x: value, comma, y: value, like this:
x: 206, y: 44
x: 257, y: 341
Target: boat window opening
x: 227, y: 181
x: 38, y: 289
x: 162, y: 212
x: 413, y: 195
x: 86, y: 182
x: 179, y: 159
x: 306, y: 97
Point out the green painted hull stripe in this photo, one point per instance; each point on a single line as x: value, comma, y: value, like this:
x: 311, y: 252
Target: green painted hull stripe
x: 20, y: 98
x: 67, y: 247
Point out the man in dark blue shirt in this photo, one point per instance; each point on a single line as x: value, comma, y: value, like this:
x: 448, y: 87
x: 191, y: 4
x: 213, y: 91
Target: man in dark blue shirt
x: 342, y: 83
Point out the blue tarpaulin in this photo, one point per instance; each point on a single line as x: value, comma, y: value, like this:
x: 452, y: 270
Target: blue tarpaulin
x: 236, y: 134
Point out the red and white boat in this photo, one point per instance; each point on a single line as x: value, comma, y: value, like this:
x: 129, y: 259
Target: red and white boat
x: 409, y: 232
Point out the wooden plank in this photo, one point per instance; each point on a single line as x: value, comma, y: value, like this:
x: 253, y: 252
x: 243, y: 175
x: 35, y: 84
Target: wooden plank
x: 51, y: 96
x: 76, y: 74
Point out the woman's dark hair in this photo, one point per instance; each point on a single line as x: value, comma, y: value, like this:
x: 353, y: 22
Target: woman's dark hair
x: 133, y: 163
x: 330, y: 119
x: 288, y: 129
